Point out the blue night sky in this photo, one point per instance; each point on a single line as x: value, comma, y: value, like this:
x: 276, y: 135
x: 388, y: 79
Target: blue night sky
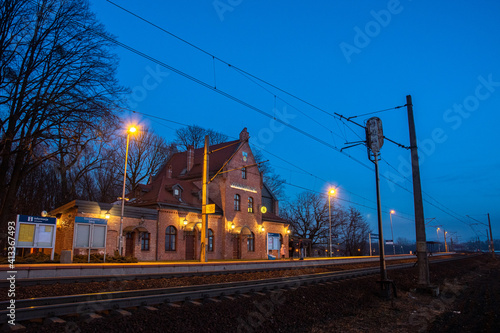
x: 348, y: 57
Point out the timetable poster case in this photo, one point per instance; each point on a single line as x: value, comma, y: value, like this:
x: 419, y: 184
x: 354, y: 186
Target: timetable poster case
x: 273, y: 241
x: 90, y: 234
x: 35, y: 232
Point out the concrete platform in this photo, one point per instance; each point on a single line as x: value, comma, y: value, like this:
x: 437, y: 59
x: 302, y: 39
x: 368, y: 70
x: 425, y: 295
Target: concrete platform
x: 79, y: 270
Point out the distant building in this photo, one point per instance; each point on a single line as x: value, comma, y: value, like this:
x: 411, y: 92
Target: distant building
x: 162, y: 219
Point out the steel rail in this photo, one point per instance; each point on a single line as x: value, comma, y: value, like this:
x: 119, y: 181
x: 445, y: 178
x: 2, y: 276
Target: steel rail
x: 124, y: 277
x: 78, y: 304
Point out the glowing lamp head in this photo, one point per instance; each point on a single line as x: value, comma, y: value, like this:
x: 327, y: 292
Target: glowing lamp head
x: 233, y: 226
x: 393, y: 211
x: 132, y: 129
x: 331, y: 192
x: 185, y: 222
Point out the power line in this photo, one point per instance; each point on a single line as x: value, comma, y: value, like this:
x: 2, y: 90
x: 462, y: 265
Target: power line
x: 297, y: 167
x: 450, y: 212
x: 229, y: 96
x: 242, y: 71
x: 384, y: 110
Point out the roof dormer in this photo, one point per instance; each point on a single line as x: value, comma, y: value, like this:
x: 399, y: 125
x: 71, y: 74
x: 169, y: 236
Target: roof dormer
x: 176, y: 191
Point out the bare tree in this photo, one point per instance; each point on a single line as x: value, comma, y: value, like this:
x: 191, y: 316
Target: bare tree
x: 56, y: 71
x: 80, y: 150
x: 104, y: 183
x: 273, y: 181
x: 194, y: 135
x: 352, y: 230
x: 308, y: 215
x: 39, y: 190
x: 147, y: 154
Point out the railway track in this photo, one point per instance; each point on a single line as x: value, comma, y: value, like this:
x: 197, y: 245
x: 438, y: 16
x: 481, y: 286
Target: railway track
x: 47, y: 307
x: 125, y: 277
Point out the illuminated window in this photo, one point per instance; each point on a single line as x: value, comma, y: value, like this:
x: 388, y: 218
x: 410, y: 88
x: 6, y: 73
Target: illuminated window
x: 170, y: 237
x: 251, y: 242
x: 250, y: 204
x: 210, y: 240
x: 237, y: 201
x: 244, y: 173
x: 144, y: 240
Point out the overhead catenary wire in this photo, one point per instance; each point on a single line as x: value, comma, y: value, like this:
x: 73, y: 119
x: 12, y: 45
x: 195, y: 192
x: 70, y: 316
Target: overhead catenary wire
x: 302, y: 169
x: 227, y: 95
x: 242, y: 71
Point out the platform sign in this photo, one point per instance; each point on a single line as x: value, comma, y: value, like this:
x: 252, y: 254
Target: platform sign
x: 36, y: 232
x: 389, y: 242
x: 209, y: 209
x: 90, y: 233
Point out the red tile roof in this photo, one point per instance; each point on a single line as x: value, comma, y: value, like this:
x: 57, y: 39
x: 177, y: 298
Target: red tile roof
x: 160, y: 190
x: 219, y: 154
x: 271, y: 217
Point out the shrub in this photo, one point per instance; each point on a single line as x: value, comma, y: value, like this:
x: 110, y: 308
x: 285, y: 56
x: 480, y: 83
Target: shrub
x: 33, y: 258
x: 99, y: 258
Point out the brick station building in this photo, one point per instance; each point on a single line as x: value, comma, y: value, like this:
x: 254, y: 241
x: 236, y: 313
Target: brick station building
x: 162, y: 219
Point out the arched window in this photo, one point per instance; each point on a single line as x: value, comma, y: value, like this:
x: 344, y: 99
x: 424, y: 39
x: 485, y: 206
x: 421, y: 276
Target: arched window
x: 170, y: 238
x: 251, y: 242
x: 244, y: 173
x: 210, y: 240
x: 250, y: 204
x: 237, y: 200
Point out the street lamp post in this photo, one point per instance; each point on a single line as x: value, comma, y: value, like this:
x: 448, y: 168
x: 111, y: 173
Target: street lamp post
x: 392, y: 233
x: 445, y: 244
x: 330, y: 193
x: 120, y: 236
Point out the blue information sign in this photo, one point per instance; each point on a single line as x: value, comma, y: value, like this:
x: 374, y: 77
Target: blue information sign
x: 94, y: 220
x: 36, y: 219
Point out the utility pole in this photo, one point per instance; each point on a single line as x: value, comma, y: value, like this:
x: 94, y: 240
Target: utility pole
x: 423, y: 261
x: 491, y: 238
x: 383, y: 270
x: 204, y: 202
x: 330, y: 226
x: 370, y: 240
x: 375, y: 141
x: 445, y: 244
x: 488, y: 240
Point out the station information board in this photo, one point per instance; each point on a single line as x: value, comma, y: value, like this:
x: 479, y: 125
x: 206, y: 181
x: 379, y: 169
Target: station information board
x: 90, y: 233
x: 273, y: 241
x: 36, y: 232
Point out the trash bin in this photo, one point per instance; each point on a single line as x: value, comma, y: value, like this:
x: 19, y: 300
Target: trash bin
x: 66, y: 257
x: 271, y: 257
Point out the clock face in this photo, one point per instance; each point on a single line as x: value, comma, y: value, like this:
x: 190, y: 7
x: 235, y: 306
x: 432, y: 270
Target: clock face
x: 263, y: 209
